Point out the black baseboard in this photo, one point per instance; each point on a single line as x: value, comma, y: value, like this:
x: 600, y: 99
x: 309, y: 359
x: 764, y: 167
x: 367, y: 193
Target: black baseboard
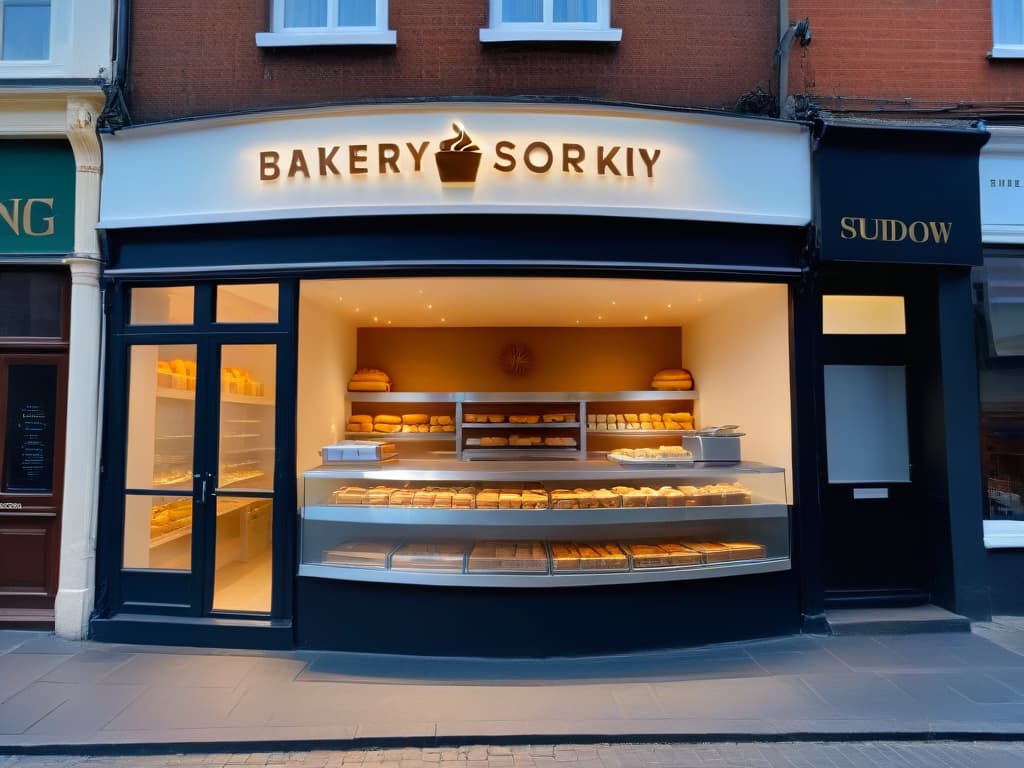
x: 262, y: 634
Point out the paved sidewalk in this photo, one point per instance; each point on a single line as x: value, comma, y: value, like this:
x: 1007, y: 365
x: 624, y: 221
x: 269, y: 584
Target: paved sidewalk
x: 56, y: 694
x: 785, y: 755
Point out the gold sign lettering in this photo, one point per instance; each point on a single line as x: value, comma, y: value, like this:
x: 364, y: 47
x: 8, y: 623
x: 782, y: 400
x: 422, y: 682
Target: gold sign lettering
x: 21, y: 219
x: 386, y: 158
x: 894, y: 230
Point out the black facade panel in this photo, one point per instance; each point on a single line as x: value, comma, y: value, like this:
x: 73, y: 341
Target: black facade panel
x: 450, y: 621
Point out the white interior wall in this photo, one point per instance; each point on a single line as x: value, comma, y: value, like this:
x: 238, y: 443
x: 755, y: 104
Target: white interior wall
x: 738, y: 353
x: 327, y: 358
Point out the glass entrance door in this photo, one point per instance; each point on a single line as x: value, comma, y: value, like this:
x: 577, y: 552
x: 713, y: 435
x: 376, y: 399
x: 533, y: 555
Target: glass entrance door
x: 201, y: 458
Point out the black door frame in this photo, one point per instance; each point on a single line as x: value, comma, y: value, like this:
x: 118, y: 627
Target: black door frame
x: 915, y: 285
x: 160, y: 592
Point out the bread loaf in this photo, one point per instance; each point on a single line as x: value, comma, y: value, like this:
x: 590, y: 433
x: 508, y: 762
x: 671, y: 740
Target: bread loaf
x: 415, y: 418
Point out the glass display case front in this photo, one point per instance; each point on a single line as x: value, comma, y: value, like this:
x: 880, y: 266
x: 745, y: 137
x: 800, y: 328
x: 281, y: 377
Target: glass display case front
x: 531, y: 523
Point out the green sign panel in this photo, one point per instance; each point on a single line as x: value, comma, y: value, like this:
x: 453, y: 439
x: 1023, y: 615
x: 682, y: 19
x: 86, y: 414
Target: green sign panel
x: 37, y: 197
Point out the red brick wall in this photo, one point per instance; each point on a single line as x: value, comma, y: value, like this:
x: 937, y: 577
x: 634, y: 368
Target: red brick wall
x: 922, y: 50
x: 199, y: 57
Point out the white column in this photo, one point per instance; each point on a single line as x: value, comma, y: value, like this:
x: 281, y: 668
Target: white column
x: 75, y: 593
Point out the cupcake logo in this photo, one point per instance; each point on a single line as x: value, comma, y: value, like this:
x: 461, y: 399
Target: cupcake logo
x: 458, y: 158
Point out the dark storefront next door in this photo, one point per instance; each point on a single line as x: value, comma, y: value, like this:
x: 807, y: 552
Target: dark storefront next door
x: 201, y: 462
x: 33, y: 393
x: 875, y: 521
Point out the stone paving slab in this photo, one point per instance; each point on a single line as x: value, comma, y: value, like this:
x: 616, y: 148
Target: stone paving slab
x: 63, y: 693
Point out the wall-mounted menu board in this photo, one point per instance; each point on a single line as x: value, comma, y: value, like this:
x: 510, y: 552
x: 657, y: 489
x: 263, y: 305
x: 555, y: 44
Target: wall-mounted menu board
x: 30, y: 428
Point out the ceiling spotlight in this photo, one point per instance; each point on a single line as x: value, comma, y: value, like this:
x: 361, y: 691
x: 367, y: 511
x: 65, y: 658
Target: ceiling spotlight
x: 645, y: 317
x: 375, y: 319
x: 430, y: 306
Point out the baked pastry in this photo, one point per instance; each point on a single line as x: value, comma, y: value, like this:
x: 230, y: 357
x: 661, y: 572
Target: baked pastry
x: 661, y: 555
x: 415, y: 418
x: 672, y: 378
x: 444, y: 421
x: 512, y: 556
x: 488, y: 499
x: 360, y: 418
x: 384, y: 418
x: 510, y: 500
x: 564, y: 499
x: 402, y: 497
x: 602, y: 557
x: 565, y: 557
x: 493, y: 442
x: 521, y: 418
x: 389, y: 428
x: 496, y: 418
x: 535, y: 499
x: 348, y: 495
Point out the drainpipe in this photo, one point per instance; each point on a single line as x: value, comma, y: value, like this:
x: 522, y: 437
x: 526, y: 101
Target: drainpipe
x: 801, y: 30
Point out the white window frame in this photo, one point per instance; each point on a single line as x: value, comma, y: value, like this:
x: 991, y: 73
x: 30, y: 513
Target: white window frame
x: 29, y: 62
x: 332, y: 34
x: 549, y: 30
x: 1002, y: 49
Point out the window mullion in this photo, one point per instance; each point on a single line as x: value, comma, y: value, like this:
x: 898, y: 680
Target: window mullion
x: 549, y: 12
x: 333, y: 16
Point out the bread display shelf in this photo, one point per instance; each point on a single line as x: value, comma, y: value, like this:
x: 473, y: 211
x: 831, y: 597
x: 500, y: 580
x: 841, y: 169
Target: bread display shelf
x: 538, y: 518
x: 224, y: 507
x: 168, y: 393
x: 510, y: 425
x: 559, y: 579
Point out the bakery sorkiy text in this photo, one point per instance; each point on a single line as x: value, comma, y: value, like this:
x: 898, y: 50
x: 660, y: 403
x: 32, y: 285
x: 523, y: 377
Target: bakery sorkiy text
x: 392, y: 158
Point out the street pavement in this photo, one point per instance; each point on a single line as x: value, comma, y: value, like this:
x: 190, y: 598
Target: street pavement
x: 946, y: 690
x: 785, y: 755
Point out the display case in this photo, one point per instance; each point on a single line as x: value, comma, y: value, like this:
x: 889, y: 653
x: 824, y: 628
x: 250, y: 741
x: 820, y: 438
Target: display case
x: 533, y: 523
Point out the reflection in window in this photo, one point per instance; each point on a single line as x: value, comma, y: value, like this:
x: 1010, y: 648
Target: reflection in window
x: 26, y: 30
x: 163, y: 306
x: 32, y: 304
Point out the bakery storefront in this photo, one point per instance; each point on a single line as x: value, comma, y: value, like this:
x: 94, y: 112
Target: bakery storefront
x: 431, y: 378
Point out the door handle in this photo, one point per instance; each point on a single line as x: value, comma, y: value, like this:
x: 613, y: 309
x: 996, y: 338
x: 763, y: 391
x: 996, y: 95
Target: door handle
x: 202, y: 497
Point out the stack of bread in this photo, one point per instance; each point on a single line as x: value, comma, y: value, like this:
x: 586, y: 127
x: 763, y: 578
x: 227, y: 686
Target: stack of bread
x: 169, y: 517
x: 661, y: 554
x: 369, y: 380
x: 611, y: 422
x: 726, y: 551
x: 407, y: 423
x: 176, y: 374
x: 513, y: 556
x: 589, y: 556
x: 535, y: 497
x: 660, y: 454
x: 672, y: 378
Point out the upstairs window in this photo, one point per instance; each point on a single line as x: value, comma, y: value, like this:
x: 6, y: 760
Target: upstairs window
x: 328, y: 22
x: 1008, y: 29
x: 24, y: 30
x: 540, y: 20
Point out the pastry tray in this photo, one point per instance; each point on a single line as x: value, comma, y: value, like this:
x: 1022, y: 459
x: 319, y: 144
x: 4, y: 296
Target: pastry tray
x: 429, y: 556
x: 360, y: 554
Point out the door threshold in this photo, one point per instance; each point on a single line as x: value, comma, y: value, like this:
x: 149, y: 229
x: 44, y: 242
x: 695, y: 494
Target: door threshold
x: 876, y: 598
x: 194, y: 631
x: 894, y: 620
x: 26, y: 618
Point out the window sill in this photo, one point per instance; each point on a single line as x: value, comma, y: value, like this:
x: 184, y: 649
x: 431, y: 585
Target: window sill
x: 1004, y: 534
x: 1006, y: 52
x: 499, y: 35
x: 293, y: 39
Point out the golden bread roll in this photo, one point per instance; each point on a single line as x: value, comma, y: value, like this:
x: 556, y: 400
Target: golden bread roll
x: 409, y: 428
x: 631, y: 418
x: 415, y: 418
x: 163, y: 366
x: 360, y: 418
x: 370, y: 374
x: 422, y: 427
x: 357, y: 427
x: 444, y: 421
x: 523, y: 419
x: 447, y: 427
x: 389, y: 428
x: 368, y: 386
x: 433, y: 421
x: 383, y: 418
x: 435, y: 428
x: 672, y: 373
x: 178, y: 366
x: 496, y: 418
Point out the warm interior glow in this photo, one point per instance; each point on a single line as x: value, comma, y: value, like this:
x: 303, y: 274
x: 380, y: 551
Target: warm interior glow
x: 863, y: 315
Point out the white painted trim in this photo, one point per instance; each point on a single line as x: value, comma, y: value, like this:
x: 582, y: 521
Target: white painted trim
x: 1007, y: 52
x: 1004, y: 534
x: 287, y: 39
x: 512, y: 34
